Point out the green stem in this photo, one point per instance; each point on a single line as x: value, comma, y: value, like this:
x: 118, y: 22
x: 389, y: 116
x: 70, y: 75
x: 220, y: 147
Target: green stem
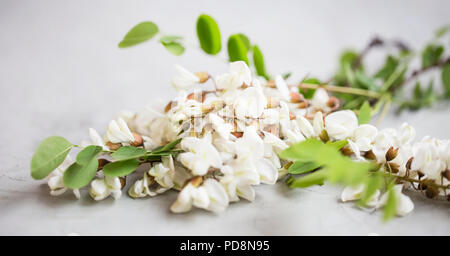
x: 349, y: 90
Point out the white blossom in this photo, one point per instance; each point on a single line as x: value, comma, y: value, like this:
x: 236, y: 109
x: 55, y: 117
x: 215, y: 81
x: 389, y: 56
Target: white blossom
x: 210, y: 196
x: 341, y: 124
x: 184, y: 79
x: 102, y: 188
x: 55, y: 179
x: 355, y: 193
x: 200, y: 155
x: 118, y: 132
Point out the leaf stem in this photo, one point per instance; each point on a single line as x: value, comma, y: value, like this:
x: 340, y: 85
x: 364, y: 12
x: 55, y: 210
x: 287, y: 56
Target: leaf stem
x: 341, y: 89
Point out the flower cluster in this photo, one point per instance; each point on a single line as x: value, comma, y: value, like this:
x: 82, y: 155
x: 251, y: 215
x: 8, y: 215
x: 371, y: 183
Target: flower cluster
x: 232, y: 133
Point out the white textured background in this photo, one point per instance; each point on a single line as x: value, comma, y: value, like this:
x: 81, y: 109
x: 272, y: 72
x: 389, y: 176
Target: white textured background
x: 61, y: 73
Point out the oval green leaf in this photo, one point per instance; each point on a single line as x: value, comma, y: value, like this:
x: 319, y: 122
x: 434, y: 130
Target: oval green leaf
x: 121, y: 168
x: 48, y: 156
x: 258, y: 60
x: 175, y: 48
x: 446, y: 78
x: 128, y: 152
x: 139, y: 33
x: 78, y: 176
x: 246, y: 41
x: 86, y: 155
x: 236, y: 49
x: 208, y: 34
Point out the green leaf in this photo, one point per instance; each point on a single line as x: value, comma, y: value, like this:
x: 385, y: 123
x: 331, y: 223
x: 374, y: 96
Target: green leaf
x: 287, y: 75
x: 338, y: 144
x: 373, y: 183
x: 86, y: 155
x: 78, y: 176
x: 315, y: 178
x: 169, y: 146
x: 309, y: 93
x: 446, y: 78
x: 390, y: 209
x: 128, y: 152
x: 418, y: 91
x: 121, y: 168
x: 365, y: 82
x: 170, y: 39
x: 208, y: 34
x: 139, y: 33
x: 48, y: 156
x: 431, y: 55
x: 175, y: 48
x: 389, y: 67
x: 246, y: 41
x: 258, y: 60
x: 442, y: 31
x: 236, y: 49
x: 347, y: 58
x: 364, y: 114
x: 300, y: 167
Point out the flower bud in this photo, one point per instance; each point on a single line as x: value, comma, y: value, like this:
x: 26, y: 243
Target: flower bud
x: 168, y: 106
x: 391, y: 154
x: 123, y: 182
x: 113, y: 146
x: 324, y: 136
x: 394, y: 167
x: 333, y: 103
x: 296, y: 97
x: 303, y: 104
x: 287, y: 165
x: 138, y: 140
x: 101, y: 163
x: 291, y: 116
x: 431, y: 192
x: 408, y: 164
x: 370, y: 155
x: 271, y: 84
x: 346, y: 151
x: 196, y: 181
x: 272, y: 102
x: 446, y: 174
x: 197, y: 96
x: 237, y: 134
x: 203, y: 76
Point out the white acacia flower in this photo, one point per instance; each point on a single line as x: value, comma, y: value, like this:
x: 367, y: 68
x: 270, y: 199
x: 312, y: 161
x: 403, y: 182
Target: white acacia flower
x: 305, y: 127
x: 320, y: 100
x: 341, y: 124
x: 237, y: 184
x: 146, y: 187
x: 220, y: 126
x: 282, y: 87
x: 102, y: 188
x: 356, y: 151
x: 210, y: 196
x: 364, y: 136
x: 184, y: 79
x: 55, y: 179
x: 96, y: 139
x: 427, y: 158
x: 389, y: 137
x: 118, y: 132
x: 200, y: 155
x: 250, y: 150
x: 238, y: 75
x: 355, y: 193
x: 164, y: 172
x: 404, y: 203
x: 318, y: 122
x: 250, y: 103
x: 126, y: 115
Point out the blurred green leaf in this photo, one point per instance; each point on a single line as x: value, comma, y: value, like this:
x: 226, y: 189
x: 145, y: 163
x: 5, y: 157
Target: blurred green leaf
x: 446, y: 78
x: 389, y: 67
x: 236, y: 49
x: 128, y: 152
x: 208, y: 34
x: 315, y: 178
x: 390, y: 209
x: 364, y: 114
x: 300, y: 167
x: 246, y: 41
x: 258, y: 60
x: 139, y: 33
x: 309, y: 93
x: 372, y: 184
x: 431, y: 55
